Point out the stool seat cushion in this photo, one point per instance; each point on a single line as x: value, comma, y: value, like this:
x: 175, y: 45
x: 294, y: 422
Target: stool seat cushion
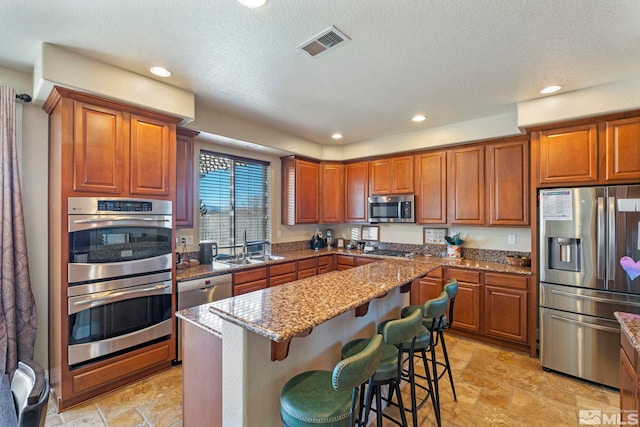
x: 388, y: 365
x: 309, y: 399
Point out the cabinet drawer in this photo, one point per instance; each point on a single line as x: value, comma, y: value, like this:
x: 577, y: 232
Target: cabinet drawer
x: 249, y: 275
x: 247, y: 287
x: 305, y: 264
x: 284, y: 268
x: 365, y: 261
x: 303, y: 274
x: 324, y: 260
x: 346, y: 260
x: 282, y: 279
x: 436, y: 274
x: 463, y: 275
x: 506, y: 280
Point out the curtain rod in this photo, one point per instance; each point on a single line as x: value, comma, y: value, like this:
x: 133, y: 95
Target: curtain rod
x: 23, y: 97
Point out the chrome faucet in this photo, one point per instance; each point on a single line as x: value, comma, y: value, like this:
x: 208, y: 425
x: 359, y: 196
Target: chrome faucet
x: 245, y: 248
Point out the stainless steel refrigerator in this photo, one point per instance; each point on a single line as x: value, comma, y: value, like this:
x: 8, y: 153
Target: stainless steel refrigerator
x: 589, y: 267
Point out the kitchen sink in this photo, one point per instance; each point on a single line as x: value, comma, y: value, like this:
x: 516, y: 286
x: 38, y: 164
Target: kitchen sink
x: 263, y: 258
x: 245, y: 261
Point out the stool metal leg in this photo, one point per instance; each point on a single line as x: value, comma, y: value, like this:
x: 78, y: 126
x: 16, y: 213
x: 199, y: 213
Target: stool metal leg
x: 447, y: 364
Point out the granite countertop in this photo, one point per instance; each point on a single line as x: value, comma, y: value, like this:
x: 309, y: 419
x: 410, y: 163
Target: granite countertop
x: 217, y: 268
x: 630, y: 325
x: 284, y: 311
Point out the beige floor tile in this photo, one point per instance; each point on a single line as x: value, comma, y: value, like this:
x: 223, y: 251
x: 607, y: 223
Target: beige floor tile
x: 495, y: 387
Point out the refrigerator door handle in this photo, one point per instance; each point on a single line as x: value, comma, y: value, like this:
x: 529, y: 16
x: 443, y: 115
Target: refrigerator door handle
x: 595, y: 299
x: 600, y: 250
x: 611, y: 253
x: 588, y: 325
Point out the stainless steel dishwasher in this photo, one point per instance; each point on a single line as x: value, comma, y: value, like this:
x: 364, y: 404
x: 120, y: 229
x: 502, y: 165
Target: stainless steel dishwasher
x: 192, y: 293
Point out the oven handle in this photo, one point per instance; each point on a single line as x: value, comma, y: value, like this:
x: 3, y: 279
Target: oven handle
x: 588, y: 325
x: 119, y: 218
x: 596, y: 299
x: 103, y: 298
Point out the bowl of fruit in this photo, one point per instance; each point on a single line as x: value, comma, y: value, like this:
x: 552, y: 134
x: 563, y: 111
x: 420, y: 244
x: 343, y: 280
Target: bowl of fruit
x: 518, y: 260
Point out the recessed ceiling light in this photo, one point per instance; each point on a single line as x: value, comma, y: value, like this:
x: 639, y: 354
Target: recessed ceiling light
x: 336, y: 136
x: 252, y: 4
x: 160, y: 71
x: 419, y: 118
x: 551, y: 89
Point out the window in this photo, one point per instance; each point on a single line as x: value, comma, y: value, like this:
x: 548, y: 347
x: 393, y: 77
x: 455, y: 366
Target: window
x: 235, y: 196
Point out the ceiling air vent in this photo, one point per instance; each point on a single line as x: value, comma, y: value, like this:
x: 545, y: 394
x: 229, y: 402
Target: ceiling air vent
x: 328, y: 39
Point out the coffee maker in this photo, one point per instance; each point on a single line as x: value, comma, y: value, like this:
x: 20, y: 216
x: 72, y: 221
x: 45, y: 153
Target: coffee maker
x: 328, y: 234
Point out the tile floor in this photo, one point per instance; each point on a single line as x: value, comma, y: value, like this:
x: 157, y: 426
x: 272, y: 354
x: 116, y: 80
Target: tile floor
x: 495, y: 387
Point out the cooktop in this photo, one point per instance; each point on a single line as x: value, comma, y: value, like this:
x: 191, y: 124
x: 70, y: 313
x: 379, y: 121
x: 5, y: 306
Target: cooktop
x: 391, y: 252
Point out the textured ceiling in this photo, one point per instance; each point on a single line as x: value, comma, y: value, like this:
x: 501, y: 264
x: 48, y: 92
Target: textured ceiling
x: 452, y: 60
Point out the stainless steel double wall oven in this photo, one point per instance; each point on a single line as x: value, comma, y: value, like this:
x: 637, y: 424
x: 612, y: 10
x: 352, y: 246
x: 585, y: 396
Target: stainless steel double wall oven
x: 119, y: 274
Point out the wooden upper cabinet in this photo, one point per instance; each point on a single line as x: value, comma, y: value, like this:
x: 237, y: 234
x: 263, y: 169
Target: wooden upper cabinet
x: 300, y: 191
x: 431, y: 187
x: 151, y: 160
x: 331, y: 193
x: 391, y: 175
x: 508, y: 179
x: 184, y: 177
x: 568, y: 155
x: 466, y: 200
x: 356, y: 191
x: 622, y: 150
x: 99, y: 137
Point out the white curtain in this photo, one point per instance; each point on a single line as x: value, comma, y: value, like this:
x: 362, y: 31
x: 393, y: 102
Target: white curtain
x: 17, y: 304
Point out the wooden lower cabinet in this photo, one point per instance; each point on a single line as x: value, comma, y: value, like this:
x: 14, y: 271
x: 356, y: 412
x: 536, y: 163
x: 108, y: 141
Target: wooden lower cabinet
x: 505, y: 306
x: 466, y: 312
x: 427, y: 288
x: 249, y: 280
x: 307, y: 267
x: 629, y: 384
x: 280, y: 274
x: 364, y: 261
x: 345, y: 262
x: 326, y: 264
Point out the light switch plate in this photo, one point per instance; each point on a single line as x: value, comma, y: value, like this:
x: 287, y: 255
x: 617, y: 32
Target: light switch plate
x: 511, y: 239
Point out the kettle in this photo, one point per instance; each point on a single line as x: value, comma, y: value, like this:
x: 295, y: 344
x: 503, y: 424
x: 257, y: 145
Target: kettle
x: 208, y: 250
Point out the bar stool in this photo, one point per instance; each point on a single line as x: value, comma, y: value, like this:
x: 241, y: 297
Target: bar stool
x: 395, y: 335
x: 451, y: 289
x: 326, y: 398
x: 434, y: 309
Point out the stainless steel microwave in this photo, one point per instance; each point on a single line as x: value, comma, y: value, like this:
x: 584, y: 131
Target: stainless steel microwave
x: 392, y: 209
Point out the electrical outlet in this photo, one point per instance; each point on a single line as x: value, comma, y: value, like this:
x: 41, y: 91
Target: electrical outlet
x: 511, y: 239
x: 183, y: 240
x: 278, y: 233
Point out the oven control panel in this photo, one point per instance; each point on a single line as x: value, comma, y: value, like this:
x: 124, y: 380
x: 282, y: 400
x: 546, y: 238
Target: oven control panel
x: 124, y: 206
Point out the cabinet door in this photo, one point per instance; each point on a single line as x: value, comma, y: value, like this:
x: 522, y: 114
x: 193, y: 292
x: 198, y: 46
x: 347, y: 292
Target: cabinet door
x: 152, y: 156
x: 628, y: 384
x: 424, y: 289
x: 380, y: 176
x: 402, y: 174
x: 307, y: 192
x: 431, y: 188
x: 623, y: 150
x: 508, y: 176
x: 467, y: 198
x: 325, y: 264
x: 184, y: 178
x: 568, y: 155
x: 331, y: 194
x: 466, y: 310
x: 505, y: 312
x: 282, y: 279
x: 99, y: 138
x: 356, y: 181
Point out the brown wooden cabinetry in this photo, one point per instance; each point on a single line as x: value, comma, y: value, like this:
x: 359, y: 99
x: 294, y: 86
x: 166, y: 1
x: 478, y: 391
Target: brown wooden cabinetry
x: 325, y: 264
x: 629, y: 384
x: 331, y: 193
x: 345, y: 262
x: 431, y: 187
x: 356, y: 191
x: 249, y: 280
x: 283, y: 273
x: 508, y: 182
x: 391, y: 175
x: 307, y: 267
x: 505, y: 306
x: 622, y: 150
x: 300, y: 191
x: 426, y: 288
x: 568, y: 155
x: 467, y: 306
x: 184, y: 177
x: 466, y: 187
x: 364, y: 260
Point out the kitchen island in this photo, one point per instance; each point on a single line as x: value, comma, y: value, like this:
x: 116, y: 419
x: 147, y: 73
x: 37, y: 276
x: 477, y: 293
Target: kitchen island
x: 239, y: 352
